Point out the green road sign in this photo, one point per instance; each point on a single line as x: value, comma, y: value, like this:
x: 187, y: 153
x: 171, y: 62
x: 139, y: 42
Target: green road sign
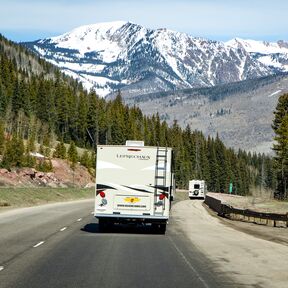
x: 230, y: 187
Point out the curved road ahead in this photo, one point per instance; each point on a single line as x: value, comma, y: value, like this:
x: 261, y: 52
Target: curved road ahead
x: 59, y: 245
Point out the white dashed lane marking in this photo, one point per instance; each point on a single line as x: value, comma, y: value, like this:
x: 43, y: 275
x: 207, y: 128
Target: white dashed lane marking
x: 1, y: 268
x: 38, y: 244
x: 79, y: 219
x: 63, y: 229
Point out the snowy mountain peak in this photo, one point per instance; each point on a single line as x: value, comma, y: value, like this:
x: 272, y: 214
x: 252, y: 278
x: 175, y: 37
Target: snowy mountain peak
x: 83, y: 31
x: 264, y: 47
x: 282, y: 44
x: 270, y: 54
x: 123, y: 55
x: 89, y: 38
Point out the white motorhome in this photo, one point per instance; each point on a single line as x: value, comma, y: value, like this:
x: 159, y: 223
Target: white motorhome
x: 197, y: 189
x: 133, y: 184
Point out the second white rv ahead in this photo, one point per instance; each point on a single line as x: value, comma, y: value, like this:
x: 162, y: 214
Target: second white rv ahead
x: 197, y: 189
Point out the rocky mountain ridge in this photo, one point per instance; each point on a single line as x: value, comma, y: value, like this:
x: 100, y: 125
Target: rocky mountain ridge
x: 270, y: 54
x: 123, y: 55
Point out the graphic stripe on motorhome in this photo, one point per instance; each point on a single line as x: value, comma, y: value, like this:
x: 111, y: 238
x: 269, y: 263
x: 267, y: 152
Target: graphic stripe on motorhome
x: 102, y: 186
x: 124, y: 187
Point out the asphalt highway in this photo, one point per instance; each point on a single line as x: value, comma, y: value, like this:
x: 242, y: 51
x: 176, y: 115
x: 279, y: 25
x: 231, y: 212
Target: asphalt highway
x: 59, y: 245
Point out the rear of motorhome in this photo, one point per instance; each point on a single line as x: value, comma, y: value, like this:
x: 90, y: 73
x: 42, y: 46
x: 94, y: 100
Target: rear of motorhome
x: 197, y: 189
x: 133, y: 184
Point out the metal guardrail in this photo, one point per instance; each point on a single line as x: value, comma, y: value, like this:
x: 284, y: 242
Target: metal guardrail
x: 246, y: 215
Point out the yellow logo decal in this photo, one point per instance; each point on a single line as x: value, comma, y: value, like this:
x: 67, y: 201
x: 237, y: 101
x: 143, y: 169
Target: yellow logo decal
x: 132, y: 199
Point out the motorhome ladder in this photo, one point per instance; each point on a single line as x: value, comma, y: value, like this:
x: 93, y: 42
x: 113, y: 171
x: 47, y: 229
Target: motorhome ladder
x: 160, y: 173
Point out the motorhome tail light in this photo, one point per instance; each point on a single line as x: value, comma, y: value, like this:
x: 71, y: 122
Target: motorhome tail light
x: 162, y: 196
x: 102, y: 194
x: 134, y: 149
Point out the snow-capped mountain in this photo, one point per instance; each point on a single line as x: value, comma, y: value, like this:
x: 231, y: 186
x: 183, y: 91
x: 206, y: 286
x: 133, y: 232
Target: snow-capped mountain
x: 273, y: 55
x: 127, y: 56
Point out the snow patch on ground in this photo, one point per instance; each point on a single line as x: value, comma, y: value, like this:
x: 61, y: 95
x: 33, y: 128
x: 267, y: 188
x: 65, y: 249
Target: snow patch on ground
x: 276, y: 92
x: 91, y: 68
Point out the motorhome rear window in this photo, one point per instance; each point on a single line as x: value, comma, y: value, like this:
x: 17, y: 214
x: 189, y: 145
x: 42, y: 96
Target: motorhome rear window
x: 196, y: 186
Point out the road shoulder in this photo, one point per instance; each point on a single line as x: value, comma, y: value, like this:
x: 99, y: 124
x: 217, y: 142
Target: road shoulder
x: 249, y: 260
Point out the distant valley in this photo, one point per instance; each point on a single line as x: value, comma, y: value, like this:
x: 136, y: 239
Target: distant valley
x: 241, y: 113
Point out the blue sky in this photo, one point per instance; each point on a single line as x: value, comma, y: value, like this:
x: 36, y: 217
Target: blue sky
x: 213, y: 19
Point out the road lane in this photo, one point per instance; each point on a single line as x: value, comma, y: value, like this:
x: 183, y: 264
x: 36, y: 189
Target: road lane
x: 125, y: 257
x: 21, y: 229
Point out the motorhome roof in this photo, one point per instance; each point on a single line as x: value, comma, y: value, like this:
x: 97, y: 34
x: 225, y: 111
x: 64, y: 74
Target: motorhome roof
x: 152, y: 147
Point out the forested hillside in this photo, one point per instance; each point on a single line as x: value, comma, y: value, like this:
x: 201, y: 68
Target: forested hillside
x: 39, y: 104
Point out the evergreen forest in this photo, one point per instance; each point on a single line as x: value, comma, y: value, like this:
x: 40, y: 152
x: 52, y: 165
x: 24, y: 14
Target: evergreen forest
x: 39, y: 104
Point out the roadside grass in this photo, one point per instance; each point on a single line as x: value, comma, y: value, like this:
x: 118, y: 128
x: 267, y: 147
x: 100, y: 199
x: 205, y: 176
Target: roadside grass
x: 23, y: 197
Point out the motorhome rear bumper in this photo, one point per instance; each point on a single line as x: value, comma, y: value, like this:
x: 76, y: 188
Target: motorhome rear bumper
x: 132, y: 218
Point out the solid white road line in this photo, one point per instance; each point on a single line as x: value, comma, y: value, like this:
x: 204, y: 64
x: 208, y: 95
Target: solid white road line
x: 1, y: 268
x: 38, y: 244
x: 79, y: 219
x: 188, y: 263
x: 63, y: 229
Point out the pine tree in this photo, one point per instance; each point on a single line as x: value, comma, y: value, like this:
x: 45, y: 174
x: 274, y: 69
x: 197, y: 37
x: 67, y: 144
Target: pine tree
x: 85, y: 160
x: 222, y: 164
x: 93, y: 159
x: 29, y: 160
x: 60, y: 150
x: 4, y: 101
x: 17, y: 100
x: 72, y: 154
x: 14, y: 153
x: 2, y: 137
x: 205, y: 171
x: 93, y: 121
x: 118, y: 125
x: 280, y: 126
x: 82, y: 119
x: 45, y: 166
